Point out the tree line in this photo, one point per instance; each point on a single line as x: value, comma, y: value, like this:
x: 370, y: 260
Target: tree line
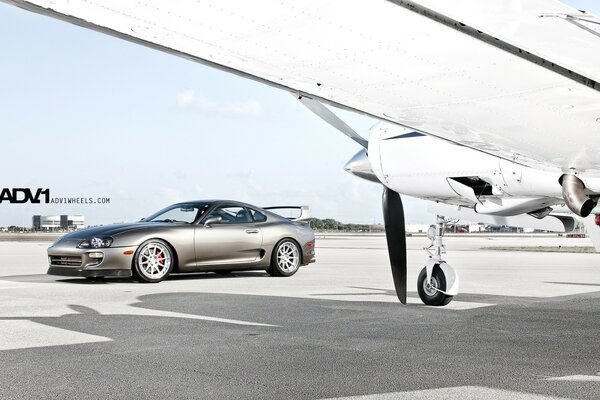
x: 329, y: 224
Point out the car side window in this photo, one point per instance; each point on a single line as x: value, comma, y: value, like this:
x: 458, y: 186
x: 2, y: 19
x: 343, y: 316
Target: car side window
x: 231, y: 215
x: 258, y: 216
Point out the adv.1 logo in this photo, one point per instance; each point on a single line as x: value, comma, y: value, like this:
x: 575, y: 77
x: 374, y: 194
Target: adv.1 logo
x: 23, y: 195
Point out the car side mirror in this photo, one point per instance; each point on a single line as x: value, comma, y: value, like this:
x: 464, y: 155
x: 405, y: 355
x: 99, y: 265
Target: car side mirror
x: 211, y: 221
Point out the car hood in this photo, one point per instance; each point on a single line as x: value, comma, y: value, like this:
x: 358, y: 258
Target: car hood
x: 113, y: 230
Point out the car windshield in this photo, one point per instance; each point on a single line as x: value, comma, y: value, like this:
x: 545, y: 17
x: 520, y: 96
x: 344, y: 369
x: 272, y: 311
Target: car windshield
x: 179, y: 213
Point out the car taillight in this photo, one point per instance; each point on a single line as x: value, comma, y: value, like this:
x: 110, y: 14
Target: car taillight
x: 310, y: 244
x: 597, y: 219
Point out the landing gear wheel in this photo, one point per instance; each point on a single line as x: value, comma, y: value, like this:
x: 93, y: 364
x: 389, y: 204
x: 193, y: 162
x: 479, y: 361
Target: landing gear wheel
x: 153, y: 261
x: 285, y: 260
x: 428, y: 292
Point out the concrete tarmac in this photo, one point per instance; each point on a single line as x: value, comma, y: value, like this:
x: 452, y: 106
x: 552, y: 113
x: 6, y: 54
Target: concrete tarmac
x: 525, y: 326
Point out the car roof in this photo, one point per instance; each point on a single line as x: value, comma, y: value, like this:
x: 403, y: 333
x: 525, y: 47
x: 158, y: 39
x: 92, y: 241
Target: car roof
x: 219, y: 201
x: 213, y: 202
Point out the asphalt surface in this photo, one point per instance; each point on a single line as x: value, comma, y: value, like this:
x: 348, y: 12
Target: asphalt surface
x: 525, y: 326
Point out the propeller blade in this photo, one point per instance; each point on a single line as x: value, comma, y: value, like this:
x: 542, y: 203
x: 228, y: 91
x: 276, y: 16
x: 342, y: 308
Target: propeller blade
x: 328, y: 116
x: 395, y: 232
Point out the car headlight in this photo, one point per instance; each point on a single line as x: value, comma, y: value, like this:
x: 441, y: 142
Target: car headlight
x: 96, y: 243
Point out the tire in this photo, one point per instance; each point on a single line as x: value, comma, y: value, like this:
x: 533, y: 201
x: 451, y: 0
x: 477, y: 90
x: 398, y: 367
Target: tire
x: 153, y: 261
x: 432, y: 297
x: 286, y: 258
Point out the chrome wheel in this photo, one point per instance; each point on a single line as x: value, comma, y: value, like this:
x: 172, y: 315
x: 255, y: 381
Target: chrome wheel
x: 288, y: 257
x: 154, y: 261
x: 285, y: 258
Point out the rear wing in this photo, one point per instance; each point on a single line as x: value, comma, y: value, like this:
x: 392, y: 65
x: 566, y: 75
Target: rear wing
x: 293, y: 213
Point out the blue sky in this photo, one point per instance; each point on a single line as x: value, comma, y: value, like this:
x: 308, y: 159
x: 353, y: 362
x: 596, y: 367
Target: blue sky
x: 85, y: 114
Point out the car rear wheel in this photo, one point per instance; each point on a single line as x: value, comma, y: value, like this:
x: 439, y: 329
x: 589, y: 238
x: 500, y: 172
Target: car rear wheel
x: 285, y: 260
x: 153, y: 261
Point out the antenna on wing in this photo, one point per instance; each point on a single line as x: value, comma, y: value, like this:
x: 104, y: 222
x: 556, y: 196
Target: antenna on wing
x: 328, y: 116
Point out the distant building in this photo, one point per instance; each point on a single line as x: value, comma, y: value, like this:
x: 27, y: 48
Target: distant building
x: 477, y: 228
x: 58, y: 222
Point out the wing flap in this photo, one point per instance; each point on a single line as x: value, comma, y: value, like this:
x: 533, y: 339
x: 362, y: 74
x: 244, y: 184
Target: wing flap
x: 548, y: 28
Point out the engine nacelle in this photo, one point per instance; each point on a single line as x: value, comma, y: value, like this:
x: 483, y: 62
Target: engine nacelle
x: 432, y: 169
x: 421, y: 166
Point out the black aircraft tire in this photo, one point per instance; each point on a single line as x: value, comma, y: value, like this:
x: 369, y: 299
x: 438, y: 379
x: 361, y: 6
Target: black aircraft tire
x: 429, y: 296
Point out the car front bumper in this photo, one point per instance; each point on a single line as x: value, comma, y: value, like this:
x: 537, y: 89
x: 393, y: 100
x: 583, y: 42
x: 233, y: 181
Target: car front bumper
x: 89, y: 273
x: 65, y: 259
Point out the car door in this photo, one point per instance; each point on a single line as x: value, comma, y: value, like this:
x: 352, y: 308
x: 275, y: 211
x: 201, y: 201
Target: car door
x: 235, y: 240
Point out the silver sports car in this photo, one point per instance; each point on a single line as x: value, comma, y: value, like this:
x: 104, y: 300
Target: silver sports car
x: 216, y: 235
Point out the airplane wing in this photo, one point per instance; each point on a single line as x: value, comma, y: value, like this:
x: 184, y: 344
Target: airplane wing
x: 517, y: 79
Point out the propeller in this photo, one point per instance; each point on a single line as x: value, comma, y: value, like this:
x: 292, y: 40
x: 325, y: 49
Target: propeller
x: 395, y: 233
x: 393, y: 210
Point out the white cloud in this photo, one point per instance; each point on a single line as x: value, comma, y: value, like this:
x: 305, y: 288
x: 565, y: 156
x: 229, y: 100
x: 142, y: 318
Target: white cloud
x: 190, y: 100
x: 185, y: 98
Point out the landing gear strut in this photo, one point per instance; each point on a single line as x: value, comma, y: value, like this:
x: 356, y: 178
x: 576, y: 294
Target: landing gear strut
x: 437, y: 283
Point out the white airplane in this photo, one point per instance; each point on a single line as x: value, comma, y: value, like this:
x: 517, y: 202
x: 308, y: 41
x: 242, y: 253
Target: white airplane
x: 512, y: 87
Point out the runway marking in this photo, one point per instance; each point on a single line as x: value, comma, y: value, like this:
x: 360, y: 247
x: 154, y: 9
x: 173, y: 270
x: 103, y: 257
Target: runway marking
x: 12, y: 285
x: 576, y: 378
x: 23, y: 334
x: 389, y: 296
x: 456, y: 305
x: 460, y: 392
x: 130, y: 310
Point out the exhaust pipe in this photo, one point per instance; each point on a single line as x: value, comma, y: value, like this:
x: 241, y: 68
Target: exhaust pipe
x: 574, y: 196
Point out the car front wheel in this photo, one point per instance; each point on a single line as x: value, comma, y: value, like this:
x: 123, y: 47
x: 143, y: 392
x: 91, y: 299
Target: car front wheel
x: 153, y: 261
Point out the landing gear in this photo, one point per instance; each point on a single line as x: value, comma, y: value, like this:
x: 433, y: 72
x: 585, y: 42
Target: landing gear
x: 437, y: 283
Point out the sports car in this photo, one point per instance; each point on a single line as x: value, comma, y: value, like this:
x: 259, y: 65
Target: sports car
x: 216, y: 235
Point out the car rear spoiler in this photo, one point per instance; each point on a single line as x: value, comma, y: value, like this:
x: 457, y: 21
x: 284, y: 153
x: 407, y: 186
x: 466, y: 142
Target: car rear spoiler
x: 304, y: 212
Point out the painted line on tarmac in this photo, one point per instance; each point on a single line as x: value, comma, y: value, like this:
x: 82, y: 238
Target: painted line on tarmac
x: 575, y: 378
x: 376, y: 297
x: 23, y: 334
x: 455, y: 305
x: 460, y: 392
x: 131, y: 310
